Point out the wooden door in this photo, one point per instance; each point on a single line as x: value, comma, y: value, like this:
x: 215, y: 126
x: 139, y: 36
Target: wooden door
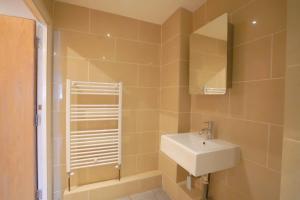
x: 17, y: 108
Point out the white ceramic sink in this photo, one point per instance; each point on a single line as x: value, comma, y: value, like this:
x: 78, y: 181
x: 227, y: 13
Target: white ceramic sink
x: 198, y: 155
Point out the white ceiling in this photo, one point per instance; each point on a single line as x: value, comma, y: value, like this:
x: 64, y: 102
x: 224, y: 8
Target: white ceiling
x: 15, y: 8
x: 155, y: 11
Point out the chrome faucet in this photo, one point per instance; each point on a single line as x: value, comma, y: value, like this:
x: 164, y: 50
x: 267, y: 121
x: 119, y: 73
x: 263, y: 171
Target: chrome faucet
x: 208, y: 130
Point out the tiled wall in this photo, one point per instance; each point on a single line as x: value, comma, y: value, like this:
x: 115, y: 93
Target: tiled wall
x: 290, y: 179
x: 91, y: 45
x: 251, y: 114
x: 175, y: 100
x: 156, y: 97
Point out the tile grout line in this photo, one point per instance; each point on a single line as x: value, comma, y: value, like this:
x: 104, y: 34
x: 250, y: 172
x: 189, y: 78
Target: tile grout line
x: 90, y: 17
x: 104, y: 35
x: 230, y: 116
x: 258, y: 38
x: 259, y: 80
x: 268, y: 146
x: 271, y: 55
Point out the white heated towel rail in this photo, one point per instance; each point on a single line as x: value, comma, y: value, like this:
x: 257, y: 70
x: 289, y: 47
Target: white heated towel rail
x: 89, y: 148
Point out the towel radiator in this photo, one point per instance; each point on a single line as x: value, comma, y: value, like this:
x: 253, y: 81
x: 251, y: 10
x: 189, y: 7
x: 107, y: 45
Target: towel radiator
x: 90, y: 148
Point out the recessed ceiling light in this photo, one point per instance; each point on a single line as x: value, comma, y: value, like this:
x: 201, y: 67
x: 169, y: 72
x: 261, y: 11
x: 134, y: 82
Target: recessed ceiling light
x: 108, y: 35
x: 254, y: 22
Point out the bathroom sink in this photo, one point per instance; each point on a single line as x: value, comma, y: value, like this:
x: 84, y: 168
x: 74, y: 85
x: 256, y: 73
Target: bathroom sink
x: 198, y: 155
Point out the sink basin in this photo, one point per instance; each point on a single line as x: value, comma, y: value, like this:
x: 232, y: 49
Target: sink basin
x: 198, y: 155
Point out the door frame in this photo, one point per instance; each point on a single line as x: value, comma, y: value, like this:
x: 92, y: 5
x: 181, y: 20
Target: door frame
x: 43, y: 149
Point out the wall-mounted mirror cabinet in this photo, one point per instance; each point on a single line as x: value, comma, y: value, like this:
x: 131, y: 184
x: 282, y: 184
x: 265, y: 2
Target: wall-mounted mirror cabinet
x: 211, y: 58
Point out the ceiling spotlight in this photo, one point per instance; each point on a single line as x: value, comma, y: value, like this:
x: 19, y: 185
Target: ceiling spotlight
x: 254, y: 22
x: 108, y: 35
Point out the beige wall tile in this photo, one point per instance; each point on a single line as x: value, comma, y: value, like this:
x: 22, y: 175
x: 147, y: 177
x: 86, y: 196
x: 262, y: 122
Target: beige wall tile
x: 170, y: 74
x: 88, y: 53
x: 171, y: 50
x: 184, y: 100
x: 75, y: 44
x: 149, y: 32
x: 185, y: 122
x: 175, y: 49
x: 171, y: 27
x: 252, y: 61
x: 184, y: 47
x: 290, y: 179
x: 129, y: 121
x: 136, y: 52
x: 77, y: 196
x: 292, y: 103
x: 77, y: 69
x: 293, y: 31
x: 275, y: 147
x: 130, y: 144
x: 120, y: 190
x: 222, y: 191
x: 103, y: 23
x: 71, y: 68
x: 147, y: 143
x: 128, y: 165
x: 279, y: 54
x: 79, y: 178
x: 147, y: 120
x: 150, y: 183
x: 269, y: 14
x: 215, y: 8
x: 147, y: 162
x: 168, y: 121
x: 257, y: 55
x: 148, y: 98
x: 175, y: 73
x: 260, y: 101
x: 255, y: 181
x: 251, y: 136
x: 149, y: 76
x: 69, y: 16
x: 186, y: 22
x: 196, y: 119
x: 141, y: 98
x: 167, y: 166
x: 104, y: 71
x: 199, y: 17
x: 181, y: 175
x: 130, y: 97
x: 170, y: 99
x: 101, y: 173
x: 184, y: 73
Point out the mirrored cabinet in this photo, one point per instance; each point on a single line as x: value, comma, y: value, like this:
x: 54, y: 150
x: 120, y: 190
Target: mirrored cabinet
x: 211, y: 58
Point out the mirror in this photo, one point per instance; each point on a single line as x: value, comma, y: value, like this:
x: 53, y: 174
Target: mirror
x: 211, y: 58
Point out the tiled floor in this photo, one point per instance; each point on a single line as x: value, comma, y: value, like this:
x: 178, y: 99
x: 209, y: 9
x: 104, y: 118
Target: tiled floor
x: 156, y: 194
